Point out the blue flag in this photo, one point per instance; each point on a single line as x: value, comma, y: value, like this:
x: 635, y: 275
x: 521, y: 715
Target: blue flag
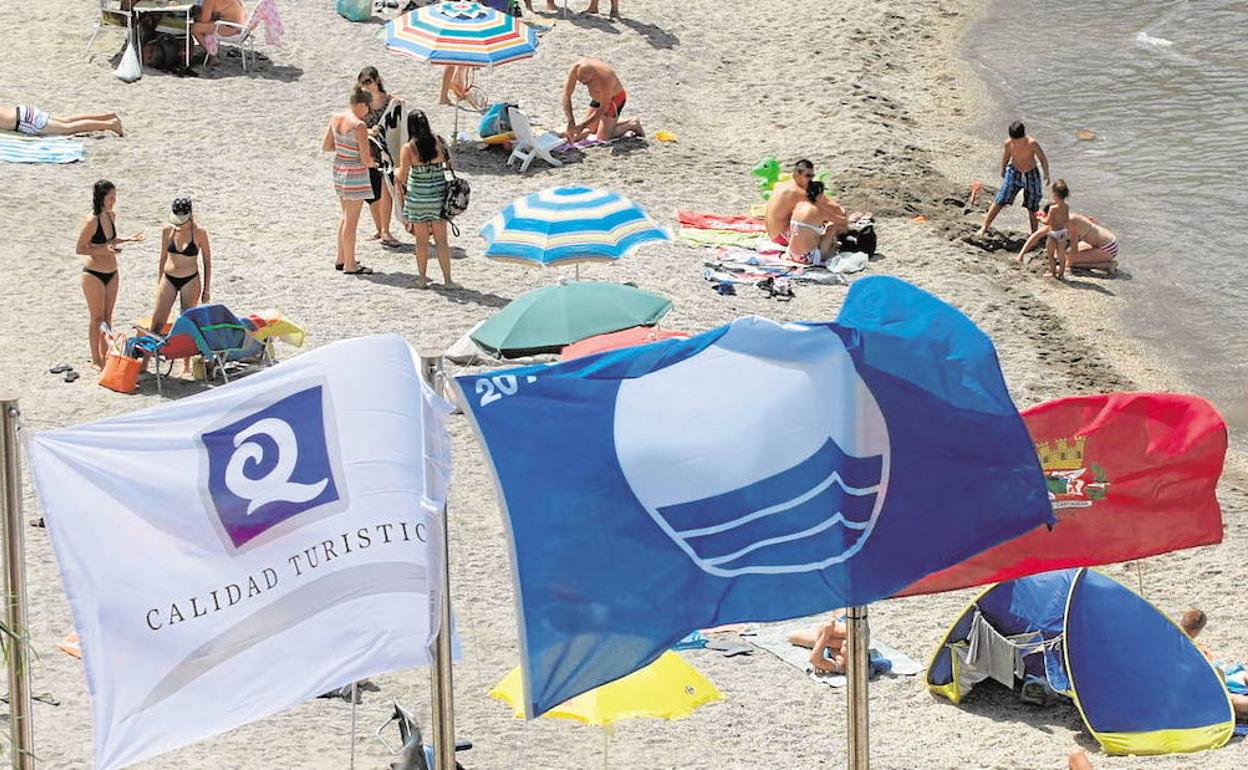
x: 756, y: 472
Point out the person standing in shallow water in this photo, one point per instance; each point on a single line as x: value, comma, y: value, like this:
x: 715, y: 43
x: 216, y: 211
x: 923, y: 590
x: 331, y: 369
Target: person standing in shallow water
x: 422, y: 187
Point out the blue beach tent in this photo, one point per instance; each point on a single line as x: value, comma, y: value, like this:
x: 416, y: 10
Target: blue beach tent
x: 1140, y: 684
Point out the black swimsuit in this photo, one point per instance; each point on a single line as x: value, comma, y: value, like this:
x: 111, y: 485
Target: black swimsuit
x: 191, y: 249
x: 99, y: 240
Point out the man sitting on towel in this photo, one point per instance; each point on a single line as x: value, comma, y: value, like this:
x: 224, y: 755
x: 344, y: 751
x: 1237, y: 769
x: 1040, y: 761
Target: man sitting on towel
x: 828, y: 645
x: 784, y: 197
x: 606, y: 101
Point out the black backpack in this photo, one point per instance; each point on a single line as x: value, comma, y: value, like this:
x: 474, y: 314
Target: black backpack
x: 458, y: 192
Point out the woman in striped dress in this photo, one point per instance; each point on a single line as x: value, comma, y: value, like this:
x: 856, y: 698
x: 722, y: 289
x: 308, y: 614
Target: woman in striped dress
x: 422, y: 188
x: 347, y: 137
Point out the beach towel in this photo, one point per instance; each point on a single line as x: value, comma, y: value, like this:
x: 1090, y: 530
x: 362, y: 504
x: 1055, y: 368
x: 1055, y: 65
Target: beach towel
x: 701, y: 220
x: 583, y: 144
x: 698, y: 237
x: 774, y: 638
x: 40, y: 149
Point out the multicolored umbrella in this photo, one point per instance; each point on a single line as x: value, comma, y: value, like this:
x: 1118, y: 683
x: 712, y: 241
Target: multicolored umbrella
x: 668, y: 688
x: 546, y: 320
x: 600, y: 343
x: 461, y: 34
x: 569, y: 225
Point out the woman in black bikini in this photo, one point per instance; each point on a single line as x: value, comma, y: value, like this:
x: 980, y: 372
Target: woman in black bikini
x: 182, y: 245
x: 98, y: 242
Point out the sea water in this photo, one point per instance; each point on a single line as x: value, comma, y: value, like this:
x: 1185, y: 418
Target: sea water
x: 1164, y: 88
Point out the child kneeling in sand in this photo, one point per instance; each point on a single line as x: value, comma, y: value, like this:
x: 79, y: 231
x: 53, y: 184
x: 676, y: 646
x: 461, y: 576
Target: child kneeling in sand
x: 1053, y: 233
x: 32, y: 121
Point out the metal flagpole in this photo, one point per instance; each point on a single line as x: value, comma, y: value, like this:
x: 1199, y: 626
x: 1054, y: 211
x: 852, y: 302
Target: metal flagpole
x: 355, y: 697
x: 22, y: 738
x: 858, y: 666
x: 441, y: 677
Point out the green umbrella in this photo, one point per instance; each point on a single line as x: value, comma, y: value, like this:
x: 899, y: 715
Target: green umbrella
x: 545, y: 320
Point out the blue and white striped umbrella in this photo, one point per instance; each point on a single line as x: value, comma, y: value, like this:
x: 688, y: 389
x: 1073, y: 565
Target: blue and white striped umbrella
x: 461, y: 33
x: 567, y: 225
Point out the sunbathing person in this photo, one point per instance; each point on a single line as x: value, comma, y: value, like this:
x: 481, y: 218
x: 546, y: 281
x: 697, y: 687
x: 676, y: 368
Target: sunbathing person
x: 1053, y: 232
x: 183, y: 245
x: 1192, y: 623
x: 828, y: 643
x: 1093, y: 247
x: 98, y: 242
x: 213, y: 11
x: 784, y: 198
x: 814, y: 225
x: 606, y: 101
x: 33, y: 121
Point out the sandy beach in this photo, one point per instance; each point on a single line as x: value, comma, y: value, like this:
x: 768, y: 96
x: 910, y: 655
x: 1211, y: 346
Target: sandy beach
x: 875, y: 92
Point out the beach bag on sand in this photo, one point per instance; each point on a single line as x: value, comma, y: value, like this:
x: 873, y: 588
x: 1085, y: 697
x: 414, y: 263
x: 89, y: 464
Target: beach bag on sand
x: 860, y: 238
x: 355, y: 10
x: 121, y: 373
x: 129, y: 70
x: 496, y: 120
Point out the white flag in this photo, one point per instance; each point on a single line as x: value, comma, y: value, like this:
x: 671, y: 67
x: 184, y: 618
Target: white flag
x: 243, y: 550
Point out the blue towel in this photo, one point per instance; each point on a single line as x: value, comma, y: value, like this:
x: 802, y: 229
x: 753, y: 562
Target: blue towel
x: 40, y: 149
x: 694, y: 641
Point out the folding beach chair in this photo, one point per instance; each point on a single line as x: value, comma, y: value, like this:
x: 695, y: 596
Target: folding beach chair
x: 209, y: 331
x: 529, y: 146
x: 244, y: 37
x: 111, y: 15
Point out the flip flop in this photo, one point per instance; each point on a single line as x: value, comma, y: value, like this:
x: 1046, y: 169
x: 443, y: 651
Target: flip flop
x: 392, y: 243
x: 71, y: 375
x: 338, y: 268
x: 59, y: 368
x: 361, y: 270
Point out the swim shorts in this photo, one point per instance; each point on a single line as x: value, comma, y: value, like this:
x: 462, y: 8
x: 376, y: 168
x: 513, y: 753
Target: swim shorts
x: 1015, y: 180
x: 617, y: 103
x: 31, y: 120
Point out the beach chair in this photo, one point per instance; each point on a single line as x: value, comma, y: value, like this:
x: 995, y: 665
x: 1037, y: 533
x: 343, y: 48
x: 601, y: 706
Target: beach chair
x: 244, y: 37
x: 209, y: 331
x: 529, y: 146
x: 111, y: 15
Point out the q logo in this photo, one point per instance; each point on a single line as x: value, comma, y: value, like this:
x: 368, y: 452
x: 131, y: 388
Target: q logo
x: 272, y: 465
x: 763, y: 453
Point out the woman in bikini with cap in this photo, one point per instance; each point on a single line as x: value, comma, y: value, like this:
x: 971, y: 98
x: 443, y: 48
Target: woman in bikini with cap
x: 183, y: 246
x: 98, y: 242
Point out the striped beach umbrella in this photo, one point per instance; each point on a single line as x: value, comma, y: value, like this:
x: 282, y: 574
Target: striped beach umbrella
x: 569, y: 225
x: 461, y: 34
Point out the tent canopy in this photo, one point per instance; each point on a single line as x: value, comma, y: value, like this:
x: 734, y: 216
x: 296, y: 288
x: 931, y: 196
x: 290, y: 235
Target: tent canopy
x: 1139, y: 683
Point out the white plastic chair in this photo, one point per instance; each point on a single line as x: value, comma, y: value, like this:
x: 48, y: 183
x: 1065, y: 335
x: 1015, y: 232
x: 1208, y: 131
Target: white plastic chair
x: 528, y: 146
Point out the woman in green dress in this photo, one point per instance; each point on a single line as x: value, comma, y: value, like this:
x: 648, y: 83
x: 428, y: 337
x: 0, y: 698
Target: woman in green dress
x: 422, y: 187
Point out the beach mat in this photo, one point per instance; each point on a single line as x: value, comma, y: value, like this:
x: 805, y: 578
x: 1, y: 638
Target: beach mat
x: 40, y: 149
x: 775, y: 639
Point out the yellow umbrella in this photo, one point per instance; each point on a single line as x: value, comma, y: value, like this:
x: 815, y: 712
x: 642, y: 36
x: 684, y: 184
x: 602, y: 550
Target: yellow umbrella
x: 668, y: 688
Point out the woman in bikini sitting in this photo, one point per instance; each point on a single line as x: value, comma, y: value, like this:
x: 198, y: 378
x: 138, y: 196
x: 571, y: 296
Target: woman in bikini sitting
x: 1053, y: 232
x: 814, y: 225
x: 1093, y: 247
x: 183, y: 246
x: 98, y: 242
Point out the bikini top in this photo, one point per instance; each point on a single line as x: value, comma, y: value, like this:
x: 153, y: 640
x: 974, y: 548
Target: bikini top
x: 99, y: 238
x: 189, y: 250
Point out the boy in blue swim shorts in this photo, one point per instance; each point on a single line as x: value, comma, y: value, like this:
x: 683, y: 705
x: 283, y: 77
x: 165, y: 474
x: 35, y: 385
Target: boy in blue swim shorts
x: 1022, y: 160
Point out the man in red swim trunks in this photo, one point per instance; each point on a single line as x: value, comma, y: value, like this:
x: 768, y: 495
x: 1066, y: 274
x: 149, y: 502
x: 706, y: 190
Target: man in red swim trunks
x: 606, y: 101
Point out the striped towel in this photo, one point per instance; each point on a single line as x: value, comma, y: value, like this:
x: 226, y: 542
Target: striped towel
x: 40, y: 149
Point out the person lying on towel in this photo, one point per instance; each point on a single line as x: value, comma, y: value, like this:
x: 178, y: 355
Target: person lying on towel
x: 827, y: 643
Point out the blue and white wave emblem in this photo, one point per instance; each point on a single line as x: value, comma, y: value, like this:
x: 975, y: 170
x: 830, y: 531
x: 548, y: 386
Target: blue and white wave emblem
x: 763, y: 453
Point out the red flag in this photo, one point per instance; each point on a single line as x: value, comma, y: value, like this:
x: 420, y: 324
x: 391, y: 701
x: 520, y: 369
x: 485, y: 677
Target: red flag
x: 1129, y: 474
